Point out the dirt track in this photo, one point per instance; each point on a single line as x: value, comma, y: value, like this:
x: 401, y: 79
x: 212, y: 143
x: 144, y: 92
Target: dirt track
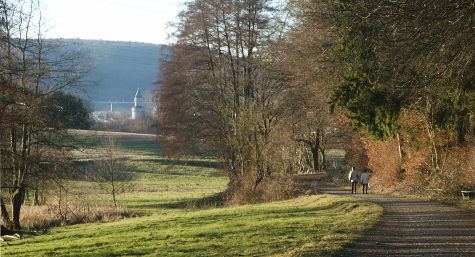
x: 414, y: 228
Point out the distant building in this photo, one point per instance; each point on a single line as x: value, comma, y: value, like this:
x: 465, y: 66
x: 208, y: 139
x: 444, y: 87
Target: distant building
x: 137, y: 110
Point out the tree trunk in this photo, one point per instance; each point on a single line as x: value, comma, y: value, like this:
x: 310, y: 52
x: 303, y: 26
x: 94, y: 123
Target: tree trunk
x: 113, y: 195
x: 315, y: 151
x: 435, y: 152
x: 36, y: 198
x: 431, y: 134
x: 323, y: 159
x: 5, y: 217
x: 17, y: 201
x: 399, y: 146
x: 315, y: 158
x: 321, y: 148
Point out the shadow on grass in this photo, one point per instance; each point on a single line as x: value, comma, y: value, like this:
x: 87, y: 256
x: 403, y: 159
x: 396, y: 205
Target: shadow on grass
x: 217, y: 201
x: 85, y: 170
x: 194, y: 163
x: 213, y: 201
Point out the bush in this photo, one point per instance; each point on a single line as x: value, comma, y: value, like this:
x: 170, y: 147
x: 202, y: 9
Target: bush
x: 415, y: 173
x: 269, y: 190
x: 446, y: 183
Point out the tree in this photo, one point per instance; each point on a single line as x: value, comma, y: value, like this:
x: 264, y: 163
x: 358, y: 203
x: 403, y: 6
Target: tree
x: 305, y: 57
x: 30, y: 70
x: 108, y: 171
x: 67, y: 111
x: 216, y: 88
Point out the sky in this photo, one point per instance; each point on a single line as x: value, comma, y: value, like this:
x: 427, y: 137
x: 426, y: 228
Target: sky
x: 116, y: 20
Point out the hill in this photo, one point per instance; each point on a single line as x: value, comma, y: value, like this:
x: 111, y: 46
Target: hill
x: 120, y: 68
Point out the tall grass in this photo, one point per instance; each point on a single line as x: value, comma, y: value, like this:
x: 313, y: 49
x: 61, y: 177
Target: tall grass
x: 44, y: 217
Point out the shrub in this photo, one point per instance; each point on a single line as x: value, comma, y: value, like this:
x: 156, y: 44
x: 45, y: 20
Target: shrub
x: 270, y: 189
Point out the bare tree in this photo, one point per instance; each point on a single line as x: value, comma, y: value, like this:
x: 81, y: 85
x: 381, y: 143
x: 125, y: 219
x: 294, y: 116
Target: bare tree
x: 217, y: 87
x: 29, y: 71
x: 305, y: 57
x: 108, y: 171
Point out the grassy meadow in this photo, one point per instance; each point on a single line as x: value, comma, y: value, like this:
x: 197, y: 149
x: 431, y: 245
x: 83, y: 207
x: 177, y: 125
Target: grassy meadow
x: 306, y: 226
x: 181, y: 216
x: 158, y: 182
x: 139, y: 144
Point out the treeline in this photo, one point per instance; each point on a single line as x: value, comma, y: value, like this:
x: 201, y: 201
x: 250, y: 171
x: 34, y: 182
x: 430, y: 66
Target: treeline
x: 270, y: 86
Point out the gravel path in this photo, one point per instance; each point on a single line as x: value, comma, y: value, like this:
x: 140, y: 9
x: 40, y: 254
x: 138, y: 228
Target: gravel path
x: 414, y: 228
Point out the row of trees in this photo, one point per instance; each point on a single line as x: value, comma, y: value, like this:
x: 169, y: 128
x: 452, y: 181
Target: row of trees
x: 218, y: 88
x: 32, y: 74
x: 229, y: 84
x: 256, y: 82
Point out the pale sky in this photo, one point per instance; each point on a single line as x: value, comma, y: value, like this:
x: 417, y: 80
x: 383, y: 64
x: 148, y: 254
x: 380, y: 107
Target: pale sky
x: 117, y: 20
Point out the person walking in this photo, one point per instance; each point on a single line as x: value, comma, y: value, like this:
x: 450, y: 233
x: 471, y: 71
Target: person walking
x: 353, y: 178
x: 364, y: 180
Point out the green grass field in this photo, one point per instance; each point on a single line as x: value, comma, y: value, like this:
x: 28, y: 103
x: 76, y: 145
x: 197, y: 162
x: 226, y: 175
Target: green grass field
x: 144, y: 144
x: 306, y: 226
x: 184, y: 218
x: 160, y: 184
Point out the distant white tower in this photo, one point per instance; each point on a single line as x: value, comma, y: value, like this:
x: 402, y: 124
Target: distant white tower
x: 137, y: 110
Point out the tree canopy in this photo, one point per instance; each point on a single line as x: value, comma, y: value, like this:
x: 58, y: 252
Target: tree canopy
x: 66, y: 110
